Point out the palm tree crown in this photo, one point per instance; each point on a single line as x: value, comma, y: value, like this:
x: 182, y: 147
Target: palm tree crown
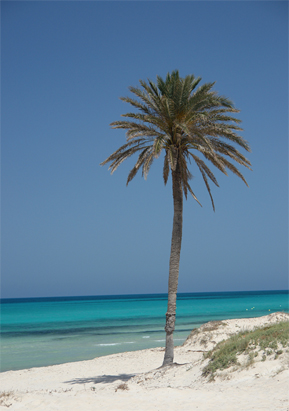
x: 181, y: 119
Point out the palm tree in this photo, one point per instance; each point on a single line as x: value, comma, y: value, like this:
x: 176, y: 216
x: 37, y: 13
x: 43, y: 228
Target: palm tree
x: 175, y: 116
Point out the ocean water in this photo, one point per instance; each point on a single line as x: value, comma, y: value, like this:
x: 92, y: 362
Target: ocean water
x: 45, y: 331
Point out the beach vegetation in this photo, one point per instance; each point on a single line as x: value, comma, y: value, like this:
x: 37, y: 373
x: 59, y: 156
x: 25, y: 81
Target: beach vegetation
x: 185, y: 123
x: 122, y: 386
x: 266, y: 340
x: 5, y: 398
x: 213, y: 325
x: 264, y: 357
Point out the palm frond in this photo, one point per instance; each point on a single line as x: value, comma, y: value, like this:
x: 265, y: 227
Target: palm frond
x: 138, y: 165
x: 137, y: 104
x: 230, y: 151
x: 146, y: 98
x: 123, y: 156
x: 158, y: 144
x: 119, y: 151
x: 172, y: 157
x: 147, y: 163
x: 181, y: 117
x: 166, y: 169
x: 234, y: 169
x: 193, y: 194
x: 207, y: 185
x: 205, y: 168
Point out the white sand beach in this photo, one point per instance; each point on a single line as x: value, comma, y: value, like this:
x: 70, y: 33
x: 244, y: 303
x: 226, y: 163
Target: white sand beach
x: 132, y: 380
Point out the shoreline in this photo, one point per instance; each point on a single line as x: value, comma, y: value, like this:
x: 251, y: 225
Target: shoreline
x: 41, y: 333
x: 132, y: 380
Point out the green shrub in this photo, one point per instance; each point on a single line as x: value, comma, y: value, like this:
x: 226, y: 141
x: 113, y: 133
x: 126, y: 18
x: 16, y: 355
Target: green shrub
x: 267, y: 338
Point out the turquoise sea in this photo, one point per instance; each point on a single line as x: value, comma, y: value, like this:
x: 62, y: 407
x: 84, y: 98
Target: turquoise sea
x: 45, y: 331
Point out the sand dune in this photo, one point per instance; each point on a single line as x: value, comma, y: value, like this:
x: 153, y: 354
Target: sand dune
x: 132, y: 381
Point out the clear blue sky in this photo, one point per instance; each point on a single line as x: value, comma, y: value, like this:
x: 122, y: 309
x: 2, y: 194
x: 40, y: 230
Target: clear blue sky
x: 68, y: 226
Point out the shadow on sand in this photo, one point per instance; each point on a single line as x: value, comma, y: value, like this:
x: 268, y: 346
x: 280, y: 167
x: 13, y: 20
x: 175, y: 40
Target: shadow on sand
x: 104, y: 379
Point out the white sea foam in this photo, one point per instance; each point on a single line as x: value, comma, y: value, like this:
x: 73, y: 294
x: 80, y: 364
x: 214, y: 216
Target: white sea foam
x: 146, y: 336
x: 111, y: 344
x: 106, y: 345
x: 160, y: 340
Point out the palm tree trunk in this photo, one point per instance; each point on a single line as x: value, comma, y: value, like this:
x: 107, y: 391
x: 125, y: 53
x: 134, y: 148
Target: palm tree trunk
x: 174, y: 265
